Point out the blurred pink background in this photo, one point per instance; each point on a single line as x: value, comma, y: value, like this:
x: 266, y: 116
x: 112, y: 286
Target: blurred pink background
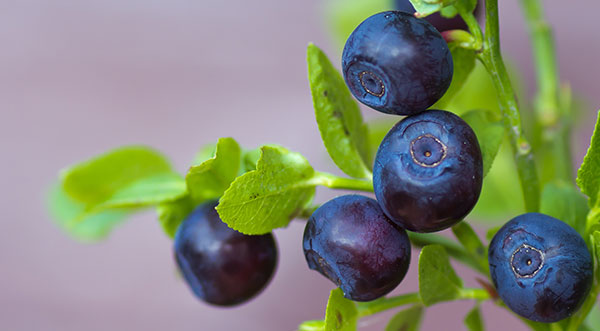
x: 80, y: 77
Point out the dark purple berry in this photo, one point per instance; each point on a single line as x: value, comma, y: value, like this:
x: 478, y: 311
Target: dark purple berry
x: 350, y: 241
x: 222, y: 266
x: 428, y: 171
x: 541, y: 267
x: 396, y: 63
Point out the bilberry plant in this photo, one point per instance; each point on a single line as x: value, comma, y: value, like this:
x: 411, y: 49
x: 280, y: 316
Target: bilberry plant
x: 432, y: 170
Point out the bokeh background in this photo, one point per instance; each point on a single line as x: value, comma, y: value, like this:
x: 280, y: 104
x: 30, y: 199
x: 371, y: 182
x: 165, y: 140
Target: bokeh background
x: 80, y: 77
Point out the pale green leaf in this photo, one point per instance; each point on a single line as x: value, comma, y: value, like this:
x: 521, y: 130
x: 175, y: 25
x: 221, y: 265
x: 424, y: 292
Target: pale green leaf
x: 437, y: 279
x: 406, y: 320
x: 463, y: 61
x: 471, y: 242
x: 249, y: 160
x: 147, y: 191
x: 489, y: 131
x: 212, y: 177
x: 171, y: 214
x: 317, y: 325
x: 96, y: 180
x: 270, y: 196
x: 206, y: 152
x: 588, y: 178
x: 339, y: 119
x: 427, y: 7
x: 565, y: 202
x: 341, y: 313
x: 71, y: 216
x: 474, y: 321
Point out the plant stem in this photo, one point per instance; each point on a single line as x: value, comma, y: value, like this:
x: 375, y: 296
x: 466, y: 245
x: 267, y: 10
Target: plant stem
x: 454, y: 250
x: 342, y: 183
x: 377, y: 306
x: 474, y: 28
x: 554, y: 119
x: 492, y: 60
x: 383, y: 304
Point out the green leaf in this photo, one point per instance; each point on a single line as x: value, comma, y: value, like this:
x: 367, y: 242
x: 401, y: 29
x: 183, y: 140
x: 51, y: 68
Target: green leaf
x: 449, y: 11
x: 377, y: 130
x: 595, y: 241
x: 587, y: 175
x: 465, y: 6
x: 341, y: 313
x: 339, y: 119
x: 473, y: 320
x: 463, y: 61
x: 96, y: 180
x: 471, y: 242
x: 428, y: 7
x: 171, y: 214
x: 478, y: 92
x: 270, y: 196
x: 489, y: 131
x: 70, y: 215
x: 491, y: 232
x: 147, y: 191
x: 206, y: 152
x: 317, y: 325
x: 437, y: 280
x: 406, y: 320
x: 593, y: 319
x: 565, y: 202
x: 501, y: 197
x: 212, y: 177
x: 249, y: 159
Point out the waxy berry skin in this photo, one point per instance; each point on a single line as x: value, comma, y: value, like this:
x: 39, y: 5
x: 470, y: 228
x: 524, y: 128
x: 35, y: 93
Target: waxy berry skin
x: 396, y: 63
x: 541, y: 267
x: 222, y: 266
x: 428, y: 171
x: 350, y: 241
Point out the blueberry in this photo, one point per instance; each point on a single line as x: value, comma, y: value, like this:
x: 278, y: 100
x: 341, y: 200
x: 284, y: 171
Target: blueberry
x: 222, y: 266
x: 396, y: 63
x: 438, y: 21
x: 541, y: 267
x: 350, y: 241
x: 428, y: 171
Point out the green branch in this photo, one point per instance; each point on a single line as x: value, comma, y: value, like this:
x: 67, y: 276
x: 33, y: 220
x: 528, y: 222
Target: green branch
x: 383, y: 304
x: 491, y: 58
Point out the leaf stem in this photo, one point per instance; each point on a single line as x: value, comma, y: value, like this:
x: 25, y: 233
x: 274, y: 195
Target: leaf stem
x: 342, y: 183
x: 493, y: 62
x: 554, y: 119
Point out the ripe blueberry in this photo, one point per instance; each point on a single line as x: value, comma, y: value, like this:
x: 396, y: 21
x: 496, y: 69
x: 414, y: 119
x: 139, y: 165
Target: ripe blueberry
x: 428, y: 171
x: 396, y: 63
x: 440, y: 22
x: 541, y: 267
x: 222, y: 266
x: 350, y: 241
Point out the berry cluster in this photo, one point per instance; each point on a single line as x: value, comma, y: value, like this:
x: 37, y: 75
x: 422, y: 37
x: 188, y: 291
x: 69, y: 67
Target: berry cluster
x: 428, y: 169
x: 427, y: 176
